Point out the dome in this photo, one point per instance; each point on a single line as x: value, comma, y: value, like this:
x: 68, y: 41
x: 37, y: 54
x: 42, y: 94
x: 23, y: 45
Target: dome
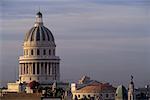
x: 39, y: 32
x: 121, y: 92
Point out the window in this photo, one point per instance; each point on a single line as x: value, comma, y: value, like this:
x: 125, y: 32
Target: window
x: 49, y: 52
x: 78, y: 96
x: 27, y: 69
x: 101, y: 95
x: 24, y: 69
x: 33, y: 68
x: 38, y: 68
x: 107, y: 95
x: 38, y: 52
x: 32, y: 52
x: 44, y: 52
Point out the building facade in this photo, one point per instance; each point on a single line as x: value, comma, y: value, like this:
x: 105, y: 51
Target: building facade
x: 39, y: 62
x: 92, y: 90
x: 131, y: 94
x: 121, y: 93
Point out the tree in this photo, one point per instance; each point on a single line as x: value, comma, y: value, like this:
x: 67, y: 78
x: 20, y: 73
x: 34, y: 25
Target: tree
x: 33, y: 85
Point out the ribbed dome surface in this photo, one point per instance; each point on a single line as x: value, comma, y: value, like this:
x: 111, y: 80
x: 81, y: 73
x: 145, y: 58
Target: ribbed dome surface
x: 39, y: 33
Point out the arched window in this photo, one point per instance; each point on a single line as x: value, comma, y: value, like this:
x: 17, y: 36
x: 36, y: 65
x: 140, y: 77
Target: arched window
x: 38, y: 52
x: 78, y: 96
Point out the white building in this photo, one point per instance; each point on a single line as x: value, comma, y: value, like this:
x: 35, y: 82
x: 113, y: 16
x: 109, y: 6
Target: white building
x: 39, y: 62
x: 92, y: 90
x: 131, y: 94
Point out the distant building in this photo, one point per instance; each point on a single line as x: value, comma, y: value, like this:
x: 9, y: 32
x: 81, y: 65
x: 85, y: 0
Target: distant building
x: 143, y: 93
x: 131, y: 93
x: 84, y: 80
x: 121, y: 93
x: 92, y: 90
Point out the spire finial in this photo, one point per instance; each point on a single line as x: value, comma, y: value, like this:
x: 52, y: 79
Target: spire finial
x: 39, y: 20
x: 131, y: 78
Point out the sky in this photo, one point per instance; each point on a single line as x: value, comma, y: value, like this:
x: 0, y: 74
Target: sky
x: 107, y: 40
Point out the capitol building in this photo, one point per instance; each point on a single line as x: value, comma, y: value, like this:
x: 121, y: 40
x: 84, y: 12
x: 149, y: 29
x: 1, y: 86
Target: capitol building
x: 39, y: 62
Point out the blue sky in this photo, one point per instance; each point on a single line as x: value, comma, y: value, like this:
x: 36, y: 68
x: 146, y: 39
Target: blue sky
x: 107, y: 40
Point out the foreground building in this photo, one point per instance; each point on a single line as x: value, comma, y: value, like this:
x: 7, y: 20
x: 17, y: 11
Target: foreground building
x: 143, y: 93
x: 131, y: 93
x: 92, y: 90
x: 39, y: 62
x: 121, y: 93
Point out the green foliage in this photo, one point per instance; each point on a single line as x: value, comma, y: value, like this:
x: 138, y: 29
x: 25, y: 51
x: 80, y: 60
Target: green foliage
x: 57, y: 93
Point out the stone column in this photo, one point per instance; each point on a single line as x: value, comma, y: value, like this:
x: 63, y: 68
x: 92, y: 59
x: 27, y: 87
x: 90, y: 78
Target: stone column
x: 35, y: 68
x: 58, y: 70
x: 28, y: 68
x: 32, y: 68
x: 22, y: 68
x: 19, y: 69
x: 43, y: 68
x: 50, y: 68
x: 47, y: 68
x: 40, y: 69
x: 31, y: 65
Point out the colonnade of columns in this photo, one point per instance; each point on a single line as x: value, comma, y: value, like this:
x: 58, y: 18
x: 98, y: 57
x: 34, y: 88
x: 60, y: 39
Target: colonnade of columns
x: 39, y: 68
